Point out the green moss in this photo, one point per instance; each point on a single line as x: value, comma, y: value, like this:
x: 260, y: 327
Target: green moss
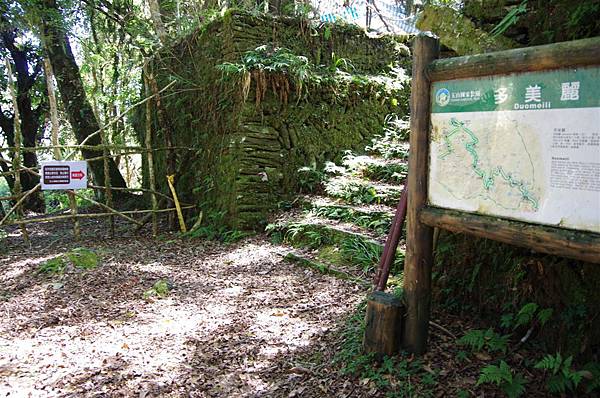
x: 245, y: 153
x: 459, y: 33
x: 331, y: 254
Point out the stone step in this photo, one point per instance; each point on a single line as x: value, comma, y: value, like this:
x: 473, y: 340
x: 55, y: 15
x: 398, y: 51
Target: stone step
x: 373, y: 168
x: 314, y: 201
x: 356, y: 191
x: 306, y: 260
x: 335, y: 244
x: 375, y: 220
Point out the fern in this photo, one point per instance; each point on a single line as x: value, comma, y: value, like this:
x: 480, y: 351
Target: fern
x: 479, y: 339
x: 510, y: 19
x: 545, y: 315
x: 526, y: 314
x: 562, y: 376
x: 512, y: 385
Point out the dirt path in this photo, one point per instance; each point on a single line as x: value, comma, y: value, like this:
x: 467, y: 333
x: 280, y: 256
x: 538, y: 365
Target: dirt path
x: 239, y: 321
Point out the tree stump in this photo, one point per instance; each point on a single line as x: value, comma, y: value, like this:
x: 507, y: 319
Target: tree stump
x: 383, y: 330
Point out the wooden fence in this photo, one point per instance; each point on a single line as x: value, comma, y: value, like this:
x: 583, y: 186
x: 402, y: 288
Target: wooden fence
x: 19, y: 195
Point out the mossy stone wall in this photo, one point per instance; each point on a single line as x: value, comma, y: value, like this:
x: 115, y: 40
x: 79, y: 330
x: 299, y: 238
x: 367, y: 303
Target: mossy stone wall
x: 245, y: 154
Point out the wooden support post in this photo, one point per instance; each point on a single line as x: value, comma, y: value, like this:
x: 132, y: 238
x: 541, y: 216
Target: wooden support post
x: 383, y: 325
x: 107, y: 191
x: 419, y: 237
x: 55, y: 145
x: 149, y: 153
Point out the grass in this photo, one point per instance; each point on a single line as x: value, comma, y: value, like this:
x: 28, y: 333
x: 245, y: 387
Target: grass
x: 361, y: 253
x: 378, y: 222
x: 361, y: 193
x: 393, y: 143
x: 394, y: 173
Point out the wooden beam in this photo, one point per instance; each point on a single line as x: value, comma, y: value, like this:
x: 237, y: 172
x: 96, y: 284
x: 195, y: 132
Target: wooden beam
x: 584, y: 246
x: 419, y: 237
x: 552, y: 56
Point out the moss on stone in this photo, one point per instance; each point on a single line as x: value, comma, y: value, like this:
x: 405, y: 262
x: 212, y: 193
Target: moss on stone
x: 459, y: 33
x: 246, y: 151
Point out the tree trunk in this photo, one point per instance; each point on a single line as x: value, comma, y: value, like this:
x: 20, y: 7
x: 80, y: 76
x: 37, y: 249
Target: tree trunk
x: 78, y: 108
x: 157, y: 21
x: 30, y: 118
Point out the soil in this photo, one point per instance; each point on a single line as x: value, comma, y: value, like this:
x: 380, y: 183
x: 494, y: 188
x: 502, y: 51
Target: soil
x: 236, y: 322
x: 239, y: 321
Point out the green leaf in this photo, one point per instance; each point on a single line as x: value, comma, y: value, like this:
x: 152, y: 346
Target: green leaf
x: 544, y: 315
x: 526, y: 314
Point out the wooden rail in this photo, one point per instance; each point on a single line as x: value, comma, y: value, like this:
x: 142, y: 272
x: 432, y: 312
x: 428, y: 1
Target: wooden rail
x: 552, y: 56
x: 584, y: 246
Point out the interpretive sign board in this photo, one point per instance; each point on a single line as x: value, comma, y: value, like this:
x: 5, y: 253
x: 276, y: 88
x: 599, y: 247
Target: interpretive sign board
x: 524, y: 146
x: 64, y: 175
x: 503, y: 146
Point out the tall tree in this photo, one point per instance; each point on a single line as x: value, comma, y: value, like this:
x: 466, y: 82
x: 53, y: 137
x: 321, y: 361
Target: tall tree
x: 27, y: 65
x: 78, y: 108
x: 155, y: 14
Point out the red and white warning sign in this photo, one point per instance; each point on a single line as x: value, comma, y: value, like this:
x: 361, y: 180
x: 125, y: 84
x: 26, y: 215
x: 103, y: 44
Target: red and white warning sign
x: 64, y: 175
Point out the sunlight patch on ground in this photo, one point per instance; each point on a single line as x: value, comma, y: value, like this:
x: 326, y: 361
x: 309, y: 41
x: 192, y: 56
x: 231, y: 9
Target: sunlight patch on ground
x: 233, y: 316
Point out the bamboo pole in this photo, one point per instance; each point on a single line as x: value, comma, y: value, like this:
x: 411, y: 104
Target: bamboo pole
x: 55, y: 145
x: 165, y: 127
x: 110, y: 209
x: 149, y: 156
x: 17, y: 157
x: 119, y: 117
x: 17, y: 205
x: 419, y: 237
x: 135, y: 190
x: 90, y: 215
x: 107, y: 191
x: 134, y: 149
x: 170, y: 180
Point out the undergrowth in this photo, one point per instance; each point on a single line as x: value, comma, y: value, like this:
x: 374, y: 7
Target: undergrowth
x: 361, y: 253
x: 393, y: 173
x: 215, y: 229
x: 378, y: 222
x: 560, y: 375
x: 397, y: 376
x: 393, y: 143
x: 360, y: 193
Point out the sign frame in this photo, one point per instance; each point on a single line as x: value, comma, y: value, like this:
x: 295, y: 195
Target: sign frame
x: 63, y: 175
x: 423, y: 218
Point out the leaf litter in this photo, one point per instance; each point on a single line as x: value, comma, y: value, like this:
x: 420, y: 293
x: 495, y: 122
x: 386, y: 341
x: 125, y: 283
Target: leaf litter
x: 230, y: 320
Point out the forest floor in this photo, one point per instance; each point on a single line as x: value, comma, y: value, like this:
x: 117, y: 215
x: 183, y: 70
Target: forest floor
x: 234, y: 323
x: 238, y: 321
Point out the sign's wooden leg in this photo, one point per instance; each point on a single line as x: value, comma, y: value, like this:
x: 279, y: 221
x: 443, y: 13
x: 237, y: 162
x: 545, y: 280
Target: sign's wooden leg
x: 419, y: 237
x: 383, y: 330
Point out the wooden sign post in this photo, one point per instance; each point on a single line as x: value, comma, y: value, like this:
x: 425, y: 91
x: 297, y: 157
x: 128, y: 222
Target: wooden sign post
x: 503, y: 146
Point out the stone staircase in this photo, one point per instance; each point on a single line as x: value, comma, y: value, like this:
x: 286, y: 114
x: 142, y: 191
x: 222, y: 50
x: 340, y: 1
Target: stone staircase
x: 340, y: 228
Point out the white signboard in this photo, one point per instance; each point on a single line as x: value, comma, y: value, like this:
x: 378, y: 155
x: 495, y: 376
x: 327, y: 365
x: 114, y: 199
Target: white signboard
x: 64, y: 175
x: 522, y: 146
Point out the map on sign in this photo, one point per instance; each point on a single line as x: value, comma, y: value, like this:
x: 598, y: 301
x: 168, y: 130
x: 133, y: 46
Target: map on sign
x: 523, y: 146
x: 64, y: 175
